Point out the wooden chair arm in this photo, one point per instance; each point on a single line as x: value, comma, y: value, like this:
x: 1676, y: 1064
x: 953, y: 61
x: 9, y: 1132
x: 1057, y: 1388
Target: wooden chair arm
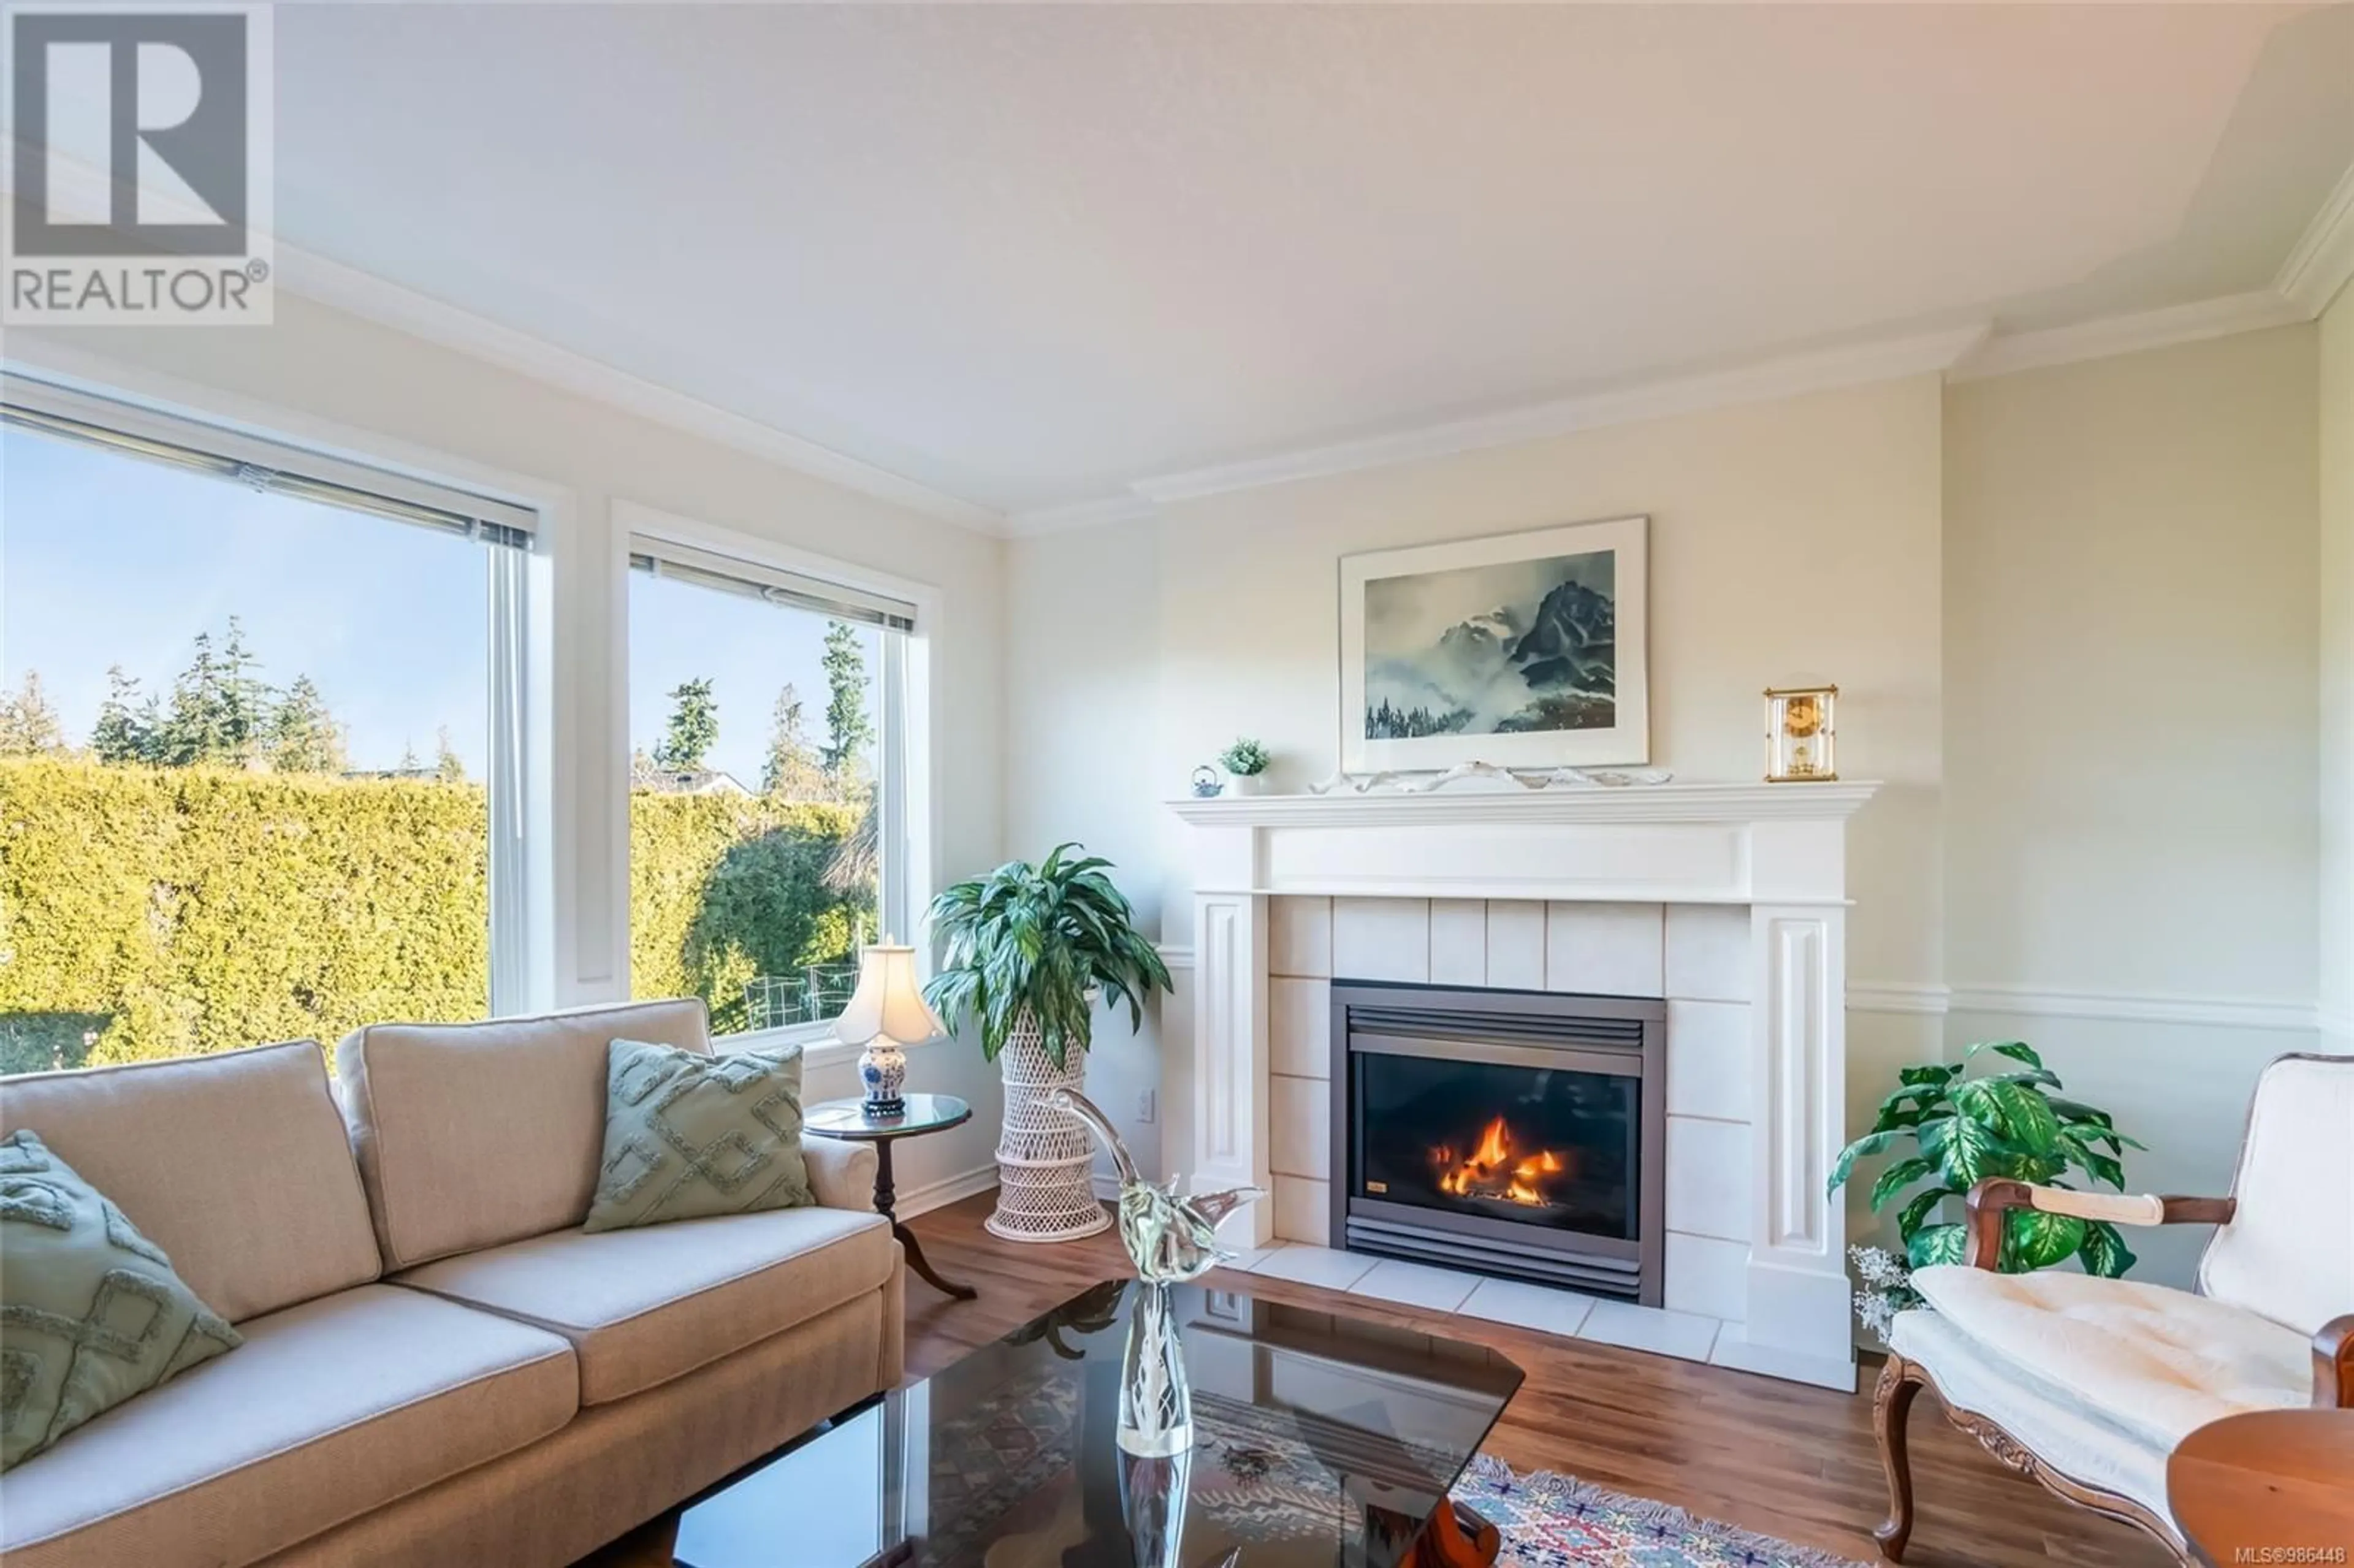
x: 1989, y: 1198
x: 2333, y: 1364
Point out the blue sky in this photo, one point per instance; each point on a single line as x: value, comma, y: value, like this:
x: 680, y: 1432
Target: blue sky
x: 106, y: 560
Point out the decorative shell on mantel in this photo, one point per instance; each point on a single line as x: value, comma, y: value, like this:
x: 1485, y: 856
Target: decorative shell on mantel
x: 1493, y: 775
x: 1670, y: 802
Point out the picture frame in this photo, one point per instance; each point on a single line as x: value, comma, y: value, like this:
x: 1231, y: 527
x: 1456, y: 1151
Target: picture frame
x: 1525, y: 649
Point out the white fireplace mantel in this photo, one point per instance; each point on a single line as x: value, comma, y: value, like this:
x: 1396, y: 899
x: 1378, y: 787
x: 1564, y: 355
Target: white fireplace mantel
x: 1780, y: 850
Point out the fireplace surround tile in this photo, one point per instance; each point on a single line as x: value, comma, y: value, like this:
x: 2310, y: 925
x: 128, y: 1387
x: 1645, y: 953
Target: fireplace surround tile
x: 1516, y: 944
x: 1708, y: 1178
x: 1316, y: 1266
x: 1605, y: 949
x: 1707, y: 1275
x: 1459, y: 941
x: 1415, y: 1285
x: 1684, y: 1335
x: 1527, y: 1306
x: 1303, y: 1210
x: 1381, y: 940
x: 1300, y: 1124
x: 1300, y: 1027
x: 1300, y: 938
x: 1707, y: 949
x: 1709, y: 1060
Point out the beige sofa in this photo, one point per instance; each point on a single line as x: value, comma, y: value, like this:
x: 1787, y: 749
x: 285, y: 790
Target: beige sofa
x: 440, y: 1366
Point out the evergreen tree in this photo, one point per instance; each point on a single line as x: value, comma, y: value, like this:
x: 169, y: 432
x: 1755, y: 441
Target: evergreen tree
x: 848, y: 728
x: 447, y: 767
x: 790, y: 770
x: 195, y: 730
x: 304, y: 736
x: 408, y: 766
x: 245, y: 701
x: 694, y: 729
x: 125, y: 732
x: 29, y: 725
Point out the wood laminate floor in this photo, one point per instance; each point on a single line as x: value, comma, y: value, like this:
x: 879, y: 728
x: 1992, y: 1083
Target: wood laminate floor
x: 1781, y: 1458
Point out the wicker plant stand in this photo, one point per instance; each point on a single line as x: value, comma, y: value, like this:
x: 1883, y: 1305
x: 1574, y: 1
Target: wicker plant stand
x: 1045, y: 1157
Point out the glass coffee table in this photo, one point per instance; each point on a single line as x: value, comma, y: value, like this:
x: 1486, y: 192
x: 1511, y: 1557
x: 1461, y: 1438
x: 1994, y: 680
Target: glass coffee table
x: 1319, y: 1439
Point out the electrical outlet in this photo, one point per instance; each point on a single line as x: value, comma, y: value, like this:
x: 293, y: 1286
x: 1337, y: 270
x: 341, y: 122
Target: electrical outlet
x: 1147, y: 1103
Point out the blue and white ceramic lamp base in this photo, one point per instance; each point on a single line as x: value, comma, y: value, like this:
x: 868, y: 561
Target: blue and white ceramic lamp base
x: 882, y: 1072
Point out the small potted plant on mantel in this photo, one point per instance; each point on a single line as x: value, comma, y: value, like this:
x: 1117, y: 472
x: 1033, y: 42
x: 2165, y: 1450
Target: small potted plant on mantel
x: 1246, y: 764
x: 1027, y: 952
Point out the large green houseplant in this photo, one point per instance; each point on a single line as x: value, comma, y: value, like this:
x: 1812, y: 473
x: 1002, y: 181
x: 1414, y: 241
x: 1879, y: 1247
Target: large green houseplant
x: 1025, y: 950
x: 1032, y: 941
x: 1962, y: 1128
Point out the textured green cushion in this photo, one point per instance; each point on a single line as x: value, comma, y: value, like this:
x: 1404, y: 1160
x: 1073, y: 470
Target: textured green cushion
x: 90, y: 1312
x: 688, y: 1134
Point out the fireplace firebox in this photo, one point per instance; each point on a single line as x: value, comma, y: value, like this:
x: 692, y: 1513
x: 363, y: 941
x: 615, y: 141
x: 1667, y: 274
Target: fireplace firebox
x: 1513, y: 1133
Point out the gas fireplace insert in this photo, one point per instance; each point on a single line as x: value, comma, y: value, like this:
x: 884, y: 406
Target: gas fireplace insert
x: 1507, y: 1132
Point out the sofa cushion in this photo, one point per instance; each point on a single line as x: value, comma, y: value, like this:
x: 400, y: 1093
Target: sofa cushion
x: 90, y: 1312
x: 689, y: 1135
x: 2155, y: 1361
x: 236, y: 1165
x: 641, y: 1307
x: 471, y: 1135
x: 330, y: 1409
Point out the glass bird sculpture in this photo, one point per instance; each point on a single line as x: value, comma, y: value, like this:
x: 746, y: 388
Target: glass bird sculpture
x: 1171, y: 1239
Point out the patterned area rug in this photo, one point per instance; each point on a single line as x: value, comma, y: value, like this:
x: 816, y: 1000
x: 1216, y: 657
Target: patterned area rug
x: 1558, y: 1521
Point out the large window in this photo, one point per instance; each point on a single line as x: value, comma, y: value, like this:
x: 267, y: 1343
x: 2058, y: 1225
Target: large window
x: 258, y: 741
x: 767, y: 797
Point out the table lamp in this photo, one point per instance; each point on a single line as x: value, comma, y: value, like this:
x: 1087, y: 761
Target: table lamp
x: 888, y: 1013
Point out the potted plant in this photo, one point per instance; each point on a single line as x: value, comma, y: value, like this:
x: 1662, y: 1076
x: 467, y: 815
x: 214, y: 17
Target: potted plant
x: 1246, y: 763
x: 1962, y: 1130
x: 1026, y: 951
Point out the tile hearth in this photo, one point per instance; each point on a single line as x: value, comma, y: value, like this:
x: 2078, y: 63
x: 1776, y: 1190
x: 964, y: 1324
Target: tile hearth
x: 1687, y: 1336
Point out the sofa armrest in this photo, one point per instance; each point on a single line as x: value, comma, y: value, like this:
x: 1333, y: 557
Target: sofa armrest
x: 1990, y: 1198
x: 2333, y: 1364
x: 840, y: 1172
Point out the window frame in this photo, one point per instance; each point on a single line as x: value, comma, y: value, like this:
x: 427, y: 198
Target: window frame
x: 905, y: 758
x: 521, y: 935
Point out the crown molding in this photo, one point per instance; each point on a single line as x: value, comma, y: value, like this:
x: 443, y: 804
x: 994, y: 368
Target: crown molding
x: 1098, y: 513
x: 1812, y: 370
x: 317, y: 278
x: 2322, y: 260
x: 2109, y: 335
x: 362, y: 294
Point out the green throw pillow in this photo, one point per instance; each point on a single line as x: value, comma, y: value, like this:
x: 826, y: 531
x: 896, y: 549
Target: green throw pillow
x: 90, y: 1312
x: 688, y: 1134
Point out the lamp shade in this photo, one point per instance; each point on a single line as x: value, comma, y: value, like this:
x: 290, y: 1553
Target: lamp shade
x: 888, y: 1004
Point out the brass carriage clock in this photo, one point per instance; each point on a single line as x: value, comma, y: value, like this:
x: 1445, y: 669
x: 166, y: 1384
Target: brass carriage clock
x: 1798, y: 735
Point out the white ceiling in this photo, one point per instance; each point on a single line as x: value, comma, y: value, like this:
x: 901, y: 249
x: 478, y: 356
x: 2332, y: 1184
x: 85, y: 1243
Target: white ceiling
x: 1028, y: 256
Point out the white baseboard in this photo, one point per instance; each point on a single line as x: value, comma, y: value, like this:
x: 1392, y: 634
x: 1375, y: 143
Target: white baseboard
x: 914, y: 1201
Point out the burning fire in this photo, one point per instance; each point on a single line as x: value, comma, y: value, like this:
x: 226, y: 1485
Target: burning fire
x: 1492, y: 1171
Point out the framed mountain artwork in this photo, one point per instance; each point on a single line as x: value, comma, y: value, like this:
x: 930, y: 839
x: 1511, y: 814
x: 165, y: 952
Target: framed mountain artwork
x: 1521, y: 650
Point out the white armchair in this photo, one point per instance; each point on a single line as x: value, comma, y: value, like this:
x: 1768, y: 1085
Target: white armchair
x: 2087, y: 1385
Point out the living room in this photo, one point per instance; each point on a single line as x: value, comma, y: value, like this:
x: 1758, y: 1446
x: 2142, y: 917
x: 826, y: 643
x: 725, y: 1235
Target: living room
x: 1663, y: 696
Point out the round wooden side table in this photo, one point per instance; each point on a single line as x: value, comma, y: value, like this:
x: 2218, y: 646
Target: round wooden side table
x: 2274, y: 1487
x: 924, y: 1113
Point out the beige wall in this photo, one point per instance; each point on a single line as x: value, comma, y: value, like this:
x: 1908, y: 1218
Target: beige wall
x: 1790, y: 541
x: 2130, y: 675
x: 2070, y: 616
x: 2336, y: 426
x: 396, y: 397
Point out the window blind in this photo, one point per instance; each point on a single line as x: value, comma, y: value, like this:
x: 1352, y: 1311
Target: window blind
x: 682, y: 563
x: 260, y: 464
